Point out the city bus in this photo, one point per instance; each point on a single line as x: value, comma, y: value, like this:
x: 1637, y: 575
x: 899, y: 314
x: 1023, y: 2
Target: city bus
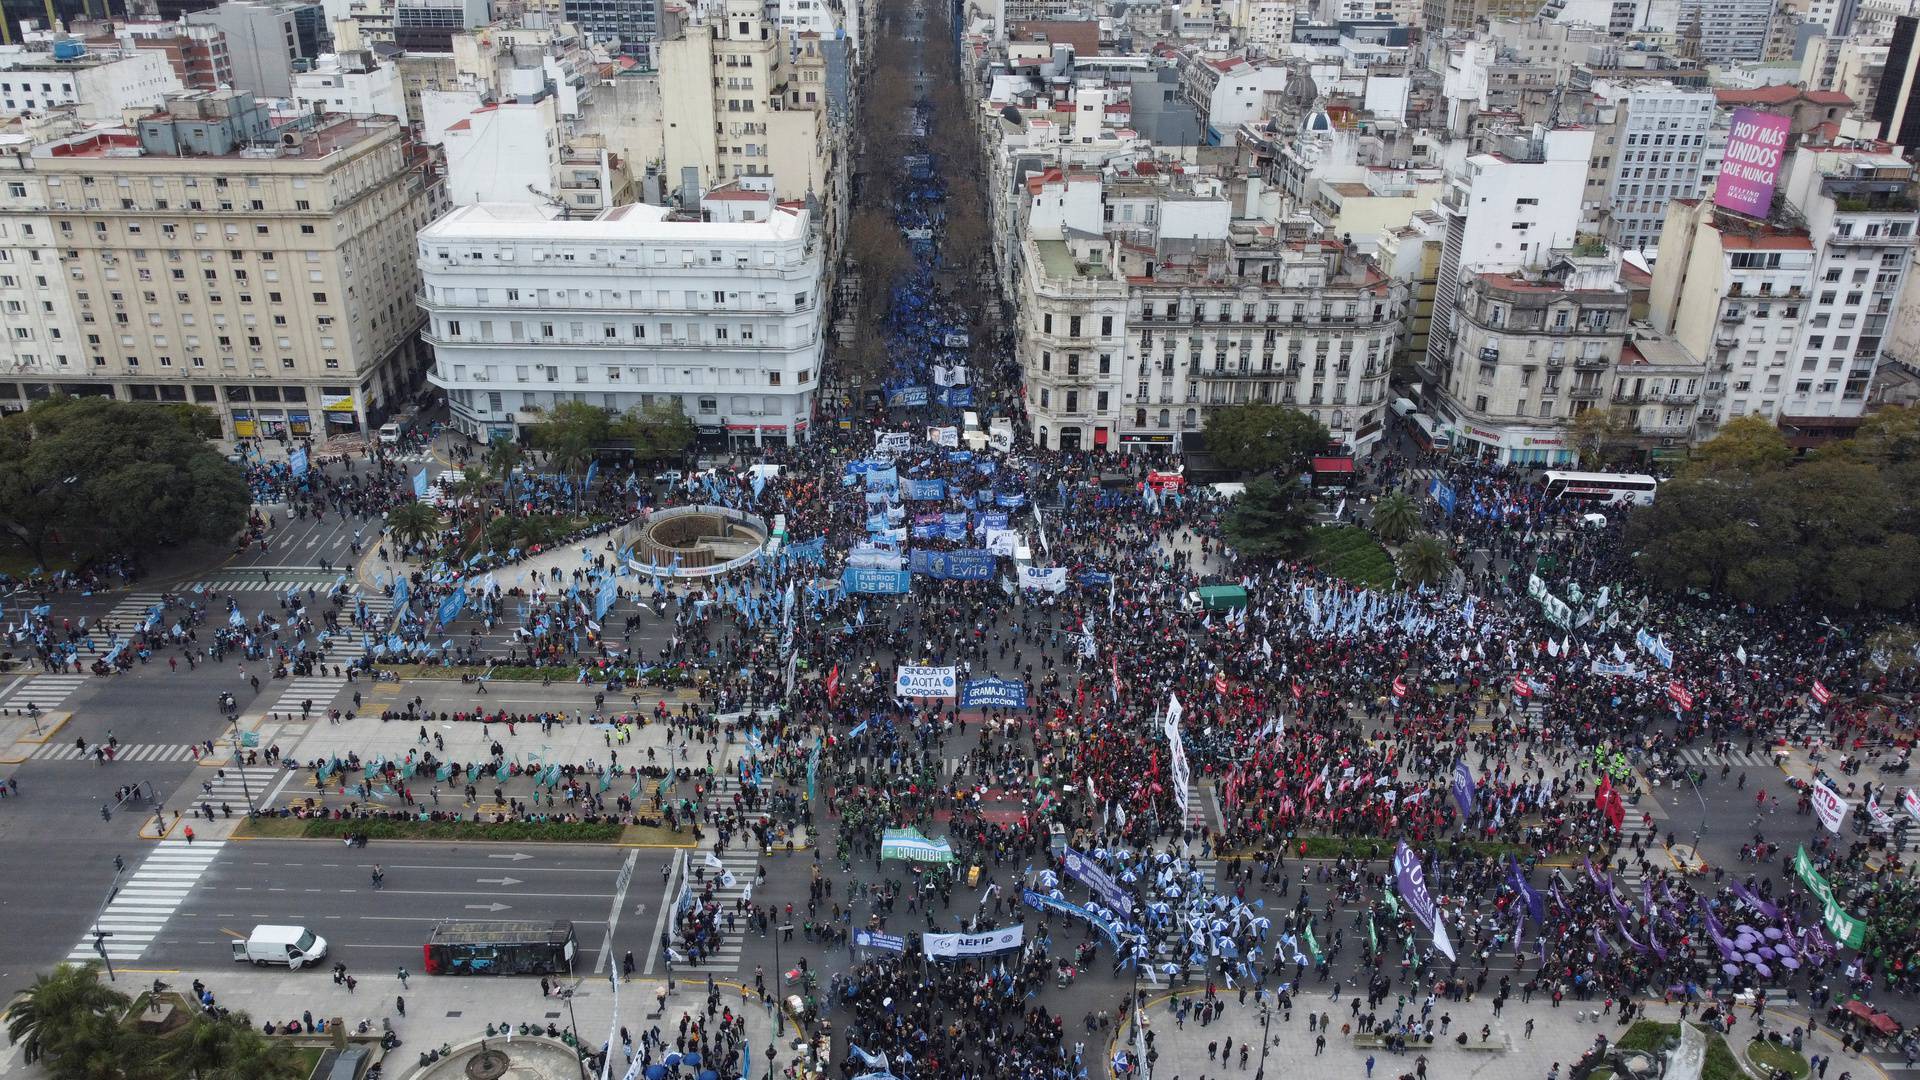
x: 1428, y: 435
x: 1602, y: 489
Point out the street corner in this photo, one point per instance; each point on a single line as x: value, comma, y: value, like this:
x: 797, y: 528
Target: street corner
x: 1686, y: 859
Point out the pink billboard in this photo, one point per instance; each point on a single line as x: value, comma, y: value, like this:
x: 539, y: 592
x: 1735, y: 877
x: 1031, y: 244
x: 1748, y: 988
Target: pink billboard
x: 1756, y: 146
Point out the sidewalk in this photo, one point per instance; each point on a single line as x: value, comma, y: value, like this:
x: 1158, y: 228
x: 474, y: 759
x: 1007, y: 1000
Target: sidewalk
x: 1560, y: 1036
x: 451, y: 1010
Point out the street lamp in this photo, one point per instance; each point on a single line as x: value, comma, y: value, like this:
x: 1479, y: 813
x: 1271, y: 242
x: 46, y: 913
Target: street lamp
x: 573, y: 1025
x: 779, y: 1014
x: 1266, y: 1016
x: 239, y: 766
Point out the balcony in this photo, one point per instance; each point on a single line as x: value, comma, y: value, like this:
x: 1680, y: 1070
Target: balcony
x: 1666, y: 430
x: 1592, y: 363
x: 1585, y: 393
x: 1675, y: 397
x: 1631, y: 399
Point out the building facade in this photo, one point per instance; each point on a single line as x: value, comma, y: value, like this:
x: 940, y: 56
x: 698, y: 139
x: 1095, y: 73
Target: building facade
x: 265, y: 275
x: 638, y: 305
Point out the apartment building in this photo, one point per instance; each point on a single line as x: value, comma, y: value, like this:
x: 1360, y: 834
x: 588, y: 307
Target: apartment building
x: 736, y: 106
x: 351, y: 82
x: 637, y: 305
x: 1650, y: 146
x: 1153, y: 304
x: 207, y: 258
x: 266, y: 41
x: 100, y: 86
x: 1532, y: 349
x: 627, y: 26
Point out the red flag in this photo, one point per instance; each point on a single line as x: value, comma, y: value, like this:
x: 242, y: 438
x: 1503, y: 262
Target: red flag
x: 1520, y: 687
x: 1681, y: 695
x: 1609, y: 802
x: 1296, y: 691
x: 1399, y: 687
x: 1820, y: 692
x: 833, y: 684
x: 1220, y: 682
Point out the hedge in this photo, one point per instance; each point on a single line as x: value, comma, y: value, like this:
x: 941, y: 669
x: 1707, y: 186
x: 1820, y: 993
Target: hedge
x: 575, y: 832
x: 1352, y: 554
x: 1648, y: 1037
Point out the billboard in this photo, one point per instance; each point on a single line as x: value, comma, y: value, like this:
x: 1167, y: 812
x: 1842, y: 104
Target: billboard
x: 1756, y: 146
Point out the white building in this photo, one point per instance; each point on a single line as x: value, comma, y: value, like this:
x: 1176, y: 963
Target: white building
x: 504, y: 153
x: 1657, y: 141
x: 352, y: 82
x: 1506, y: 210
x: 637, y: 305
x: 100, y: 87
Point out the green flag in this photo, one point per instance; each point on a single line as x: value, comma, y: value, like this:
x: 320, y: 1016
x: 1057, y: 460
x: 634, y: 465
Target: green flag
x: 1313, y: 946
x: 1393, y: 902
x: 1373, y: 936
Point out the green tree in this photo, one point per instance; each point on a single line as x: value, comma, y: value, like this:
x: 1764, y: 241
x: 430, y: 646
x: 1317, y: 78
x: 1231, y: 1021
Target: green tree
x: 1426, y: 560
x: 570, y: 432
x: 1712, y: 534
x: 1748, y: 444
x: 51, y: 1013
x: 1395, y: 517
x: 215, y: 1048
x: 658, y: 431
x: 414, y: 523
x: 1267, y: 519
x: 1600, y: 434
x: 1888, y: 437
x: 1264, y: 438
x: 503, y: 456
x: 109, y: 475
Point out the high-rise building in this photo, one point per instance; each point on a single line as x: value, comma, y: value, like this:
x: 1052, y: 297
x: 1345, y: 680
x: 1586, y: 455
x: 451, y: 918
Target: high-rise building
x: 267, y: 41
x: 429, y: 25
x: 1654, y: 141
x: 636, y: 306
x: 633, y: 24
x: 204, y: 257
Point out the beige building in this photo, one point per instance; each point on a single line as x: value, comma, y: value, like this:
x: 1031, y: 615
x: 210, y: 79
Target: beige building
x: 266, y: 274
x: 737, y: 107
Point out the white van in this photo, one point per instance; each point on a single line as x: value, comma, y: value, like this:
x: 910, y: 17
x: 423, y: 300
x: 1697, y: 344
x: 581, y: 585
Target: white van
x: 294, y: 946
x: 390, y: 434
x: 1402, y: 407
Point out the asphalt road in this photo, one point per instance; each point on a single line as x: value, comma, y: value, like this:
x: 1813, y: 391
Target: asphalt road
x: 326, y: 887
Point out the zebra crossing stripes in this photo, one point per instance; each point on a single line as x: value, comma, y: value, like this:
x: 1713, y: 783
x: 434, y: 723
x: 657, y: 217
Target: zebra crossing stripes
x: 46, y: 691
x: 318, y: 689
x: 278, y: 585
x: 1700, y: 758
x: 742, y: 860
x: 124, y: 752
x: 1196, y: 808
x: 143, y: 904
x: 235, y: 786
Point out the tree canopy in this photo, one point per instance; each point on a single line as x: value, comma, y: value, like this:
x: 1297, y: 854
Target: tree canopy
x: 574, y: 431
x: 94, y: 475
x: 1267, y: 519
x: 1264, y: 438
x: 1839, y: 530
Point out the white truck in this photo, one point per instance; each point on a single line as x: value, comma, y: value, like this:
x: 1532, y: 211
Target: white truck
x: 294, y: 946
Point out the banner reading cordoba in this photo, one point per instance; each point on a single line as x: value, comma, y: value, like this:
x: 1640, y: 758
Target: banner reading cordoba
x: 1410, y: 881
x: 925, y: 682
x: 1827, y: 803
x: 981, y: 944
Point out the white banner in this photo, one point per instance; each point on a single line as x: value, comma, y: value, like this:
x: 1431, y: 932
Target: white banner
x: 1046, y: 578
x: 893, y: 442
x: 981, y: 944
x: 925, y: 682
x: 944, y: 436
x: 1177, y: 759
x: 1910, y: 802
x: 1828, y: 805
x: 1003, y: 541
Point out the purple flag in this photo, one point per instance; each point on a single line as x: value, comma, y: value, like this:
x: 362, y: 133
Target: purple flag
x: 1746, y: 896
x: 1637, y: 947
x: 1463, y: 790
x: 1536, y: 907
x: 1600, y: 944
x: 1410, y: 881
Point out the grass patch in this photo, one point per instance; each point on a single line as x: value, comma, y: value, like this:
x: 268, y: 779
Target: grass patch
x: 557, y: 832
x: 1648, y: 1037
x: 307, y: 1058
x: 656, y: 836
x: 1775, y: 1057
x: 1720, y: 1064
x: 1351, y: 554
x: 1601, y: 1073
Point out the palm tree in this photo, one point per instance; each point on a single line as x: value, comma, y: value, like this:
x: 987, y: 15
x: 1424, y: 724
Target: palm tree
x: 414, y: 522
x: 1394, y: 517
x: 502, y: 457
x: 230, y: 1049
x: 1426, y: 560
x: 49, y: 1014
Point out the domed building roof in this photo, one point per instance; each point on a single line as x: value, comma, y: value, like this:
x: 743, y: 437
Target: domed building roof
x: 1301, y: 92
x: 1318, y: 120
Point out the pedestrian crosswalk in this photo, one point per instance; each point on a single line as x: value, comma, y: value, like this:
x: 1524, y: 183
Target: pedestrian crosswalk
x: 144, y: 902
x: 237, y: 788
x: 1702, y: 758
x: 124, y: 752
x: 47, y: 691
x: 742, y: 861
x: 1635, y: 829
x: 1196, y: 807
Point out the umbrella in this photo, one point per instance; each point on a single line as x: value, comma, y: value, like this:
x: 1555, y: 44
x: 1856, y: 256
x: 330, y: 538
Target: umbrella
x: 1789, y: 963
x: 672, y: 1059
x: 1774, y: 933
x: 1751, y: 958
x: 692, y: 1058
x: 1745, y: 930
x: 1765, y: 971
x: 655, y: 1072
x: 709, y: 1074
x: 1730, y: 969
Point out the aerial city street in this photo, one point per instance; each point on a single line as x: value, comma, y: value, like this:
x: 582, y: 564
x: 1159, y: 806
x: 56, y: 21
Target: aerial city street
x: 1183, y: 598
